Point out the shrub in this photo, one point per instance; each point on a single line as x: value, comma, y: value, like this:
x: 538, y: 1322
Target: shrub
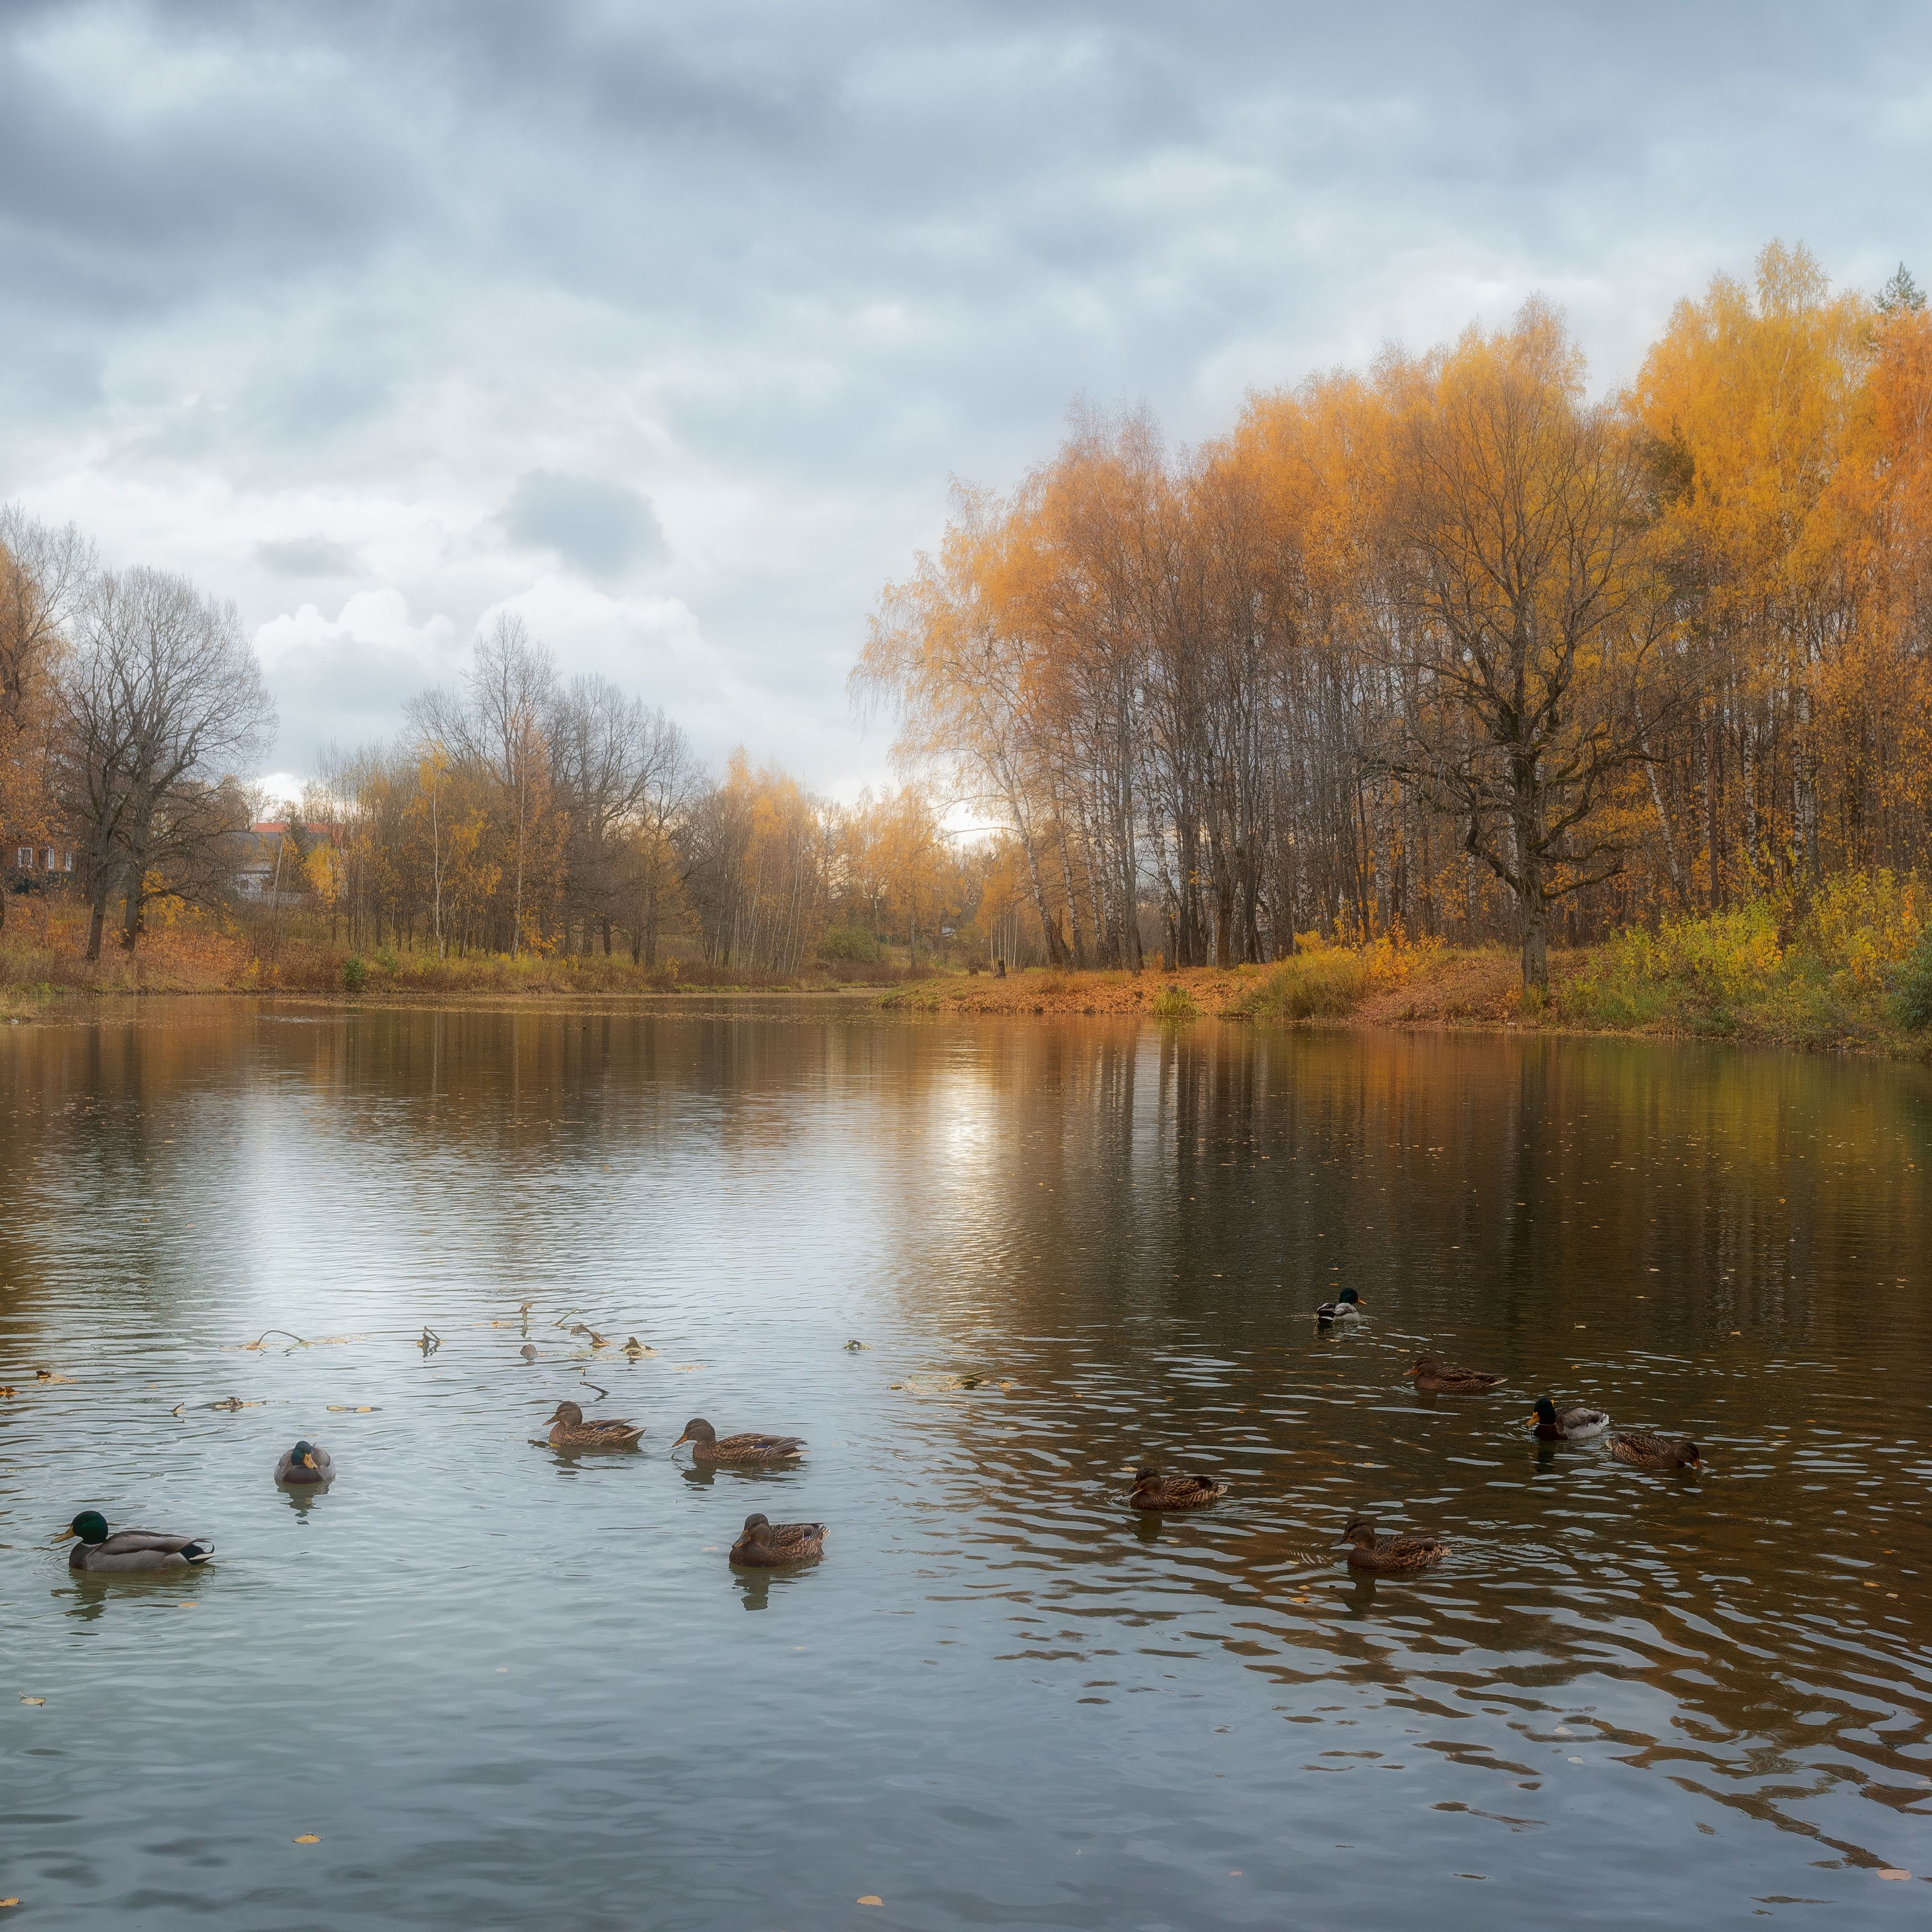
x: 850, y: 942
x: 353, y: 973
x: 1913, y: 1000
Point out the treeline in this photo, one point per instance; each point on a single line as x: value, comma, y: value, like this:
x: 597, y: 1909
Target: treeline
x: 521, y: 810
x: 1445, y: 648
x: 517, y: 811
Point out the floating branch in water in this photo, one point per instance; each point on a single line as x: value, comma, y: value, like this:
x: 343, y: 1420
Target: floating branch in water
x: 635, y: 1348
x: 261, y: 1341
x: 351, y: 1408
x: 431, y: 1341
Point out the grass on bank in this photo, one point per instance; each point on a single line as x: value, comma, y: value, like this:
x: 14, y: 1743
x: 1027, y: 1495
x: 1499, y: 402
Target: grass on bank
x: 43, y: 965
x: 1852, y: 969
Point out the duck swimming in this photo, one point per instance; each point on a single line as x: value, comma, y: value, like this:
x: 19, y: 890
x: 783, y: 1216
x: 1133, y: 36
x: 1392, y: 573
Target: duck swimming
x: 764, y: 1545
x: 1642, y: 1450
x: 129, y: 1550
x: 569, y: 1430
x: 747, y: 1451
x: 1388, y: 1555
x: 306, y: 1463
x: 1153, y: 1491
x: 1347, y: 1307
x: 1573, y: 1425
x: 1432, y: 1376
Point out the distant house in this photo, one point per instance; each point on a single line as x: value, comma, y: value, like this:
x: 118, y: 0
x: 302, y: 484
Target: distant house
x: 35, y: 868
x: 263, y: 878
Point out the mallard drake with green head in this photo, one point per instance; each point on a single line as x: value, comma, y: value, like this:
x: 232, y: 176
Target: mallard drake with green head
x: 765, y: 1545
x: 569, y: 1430
x: 751, y: 1450
x: 1389, y: 1555
x: 1642, y: 1450
x: 1433, y: 1376
x: 307, y: 1464
x: 1347, y: 1307
x: 1569, y: 1425
x: 129, y: 1550
x: 1153, y: 1491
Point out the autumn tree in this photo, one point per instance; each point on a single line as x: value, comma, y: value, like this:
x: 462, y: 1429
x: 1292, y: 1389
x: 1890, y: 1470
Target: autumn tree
x: 1530, y: 614
x: 43, y: 574
x: 161, y: 703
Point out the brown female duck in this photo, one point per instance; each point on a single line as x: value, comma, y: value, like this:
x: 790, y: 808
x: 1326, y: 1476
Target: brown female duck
x: 1642, y: 1450
x: 1153, y: 1491
x: 1433, y: 1376
x: 1388, y: 1555
x: 750, y: 1450
x: 765, y: 1545
x: 569, y: 1430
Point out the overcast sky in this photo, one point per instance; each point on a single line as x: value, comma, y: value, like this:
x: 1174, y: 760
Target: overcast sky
x: 666, y: 325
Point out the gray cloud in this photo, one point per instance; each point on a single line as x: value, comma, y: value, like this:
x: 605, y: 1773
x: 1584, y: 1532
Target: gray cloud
x: 306, y: 557
x: 603, y: 529
x: 387, y: 271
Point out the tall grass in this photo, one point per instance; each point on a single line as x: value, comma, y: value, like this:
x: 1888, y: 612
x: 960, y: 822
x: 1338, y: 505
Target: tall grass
x: 1175, y: 1004
x: 1328, y: 982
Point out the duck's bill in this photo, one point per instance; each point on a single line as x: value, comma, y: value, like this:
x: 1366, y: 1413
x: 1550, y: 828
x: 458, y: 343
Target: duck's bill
x: 66, y: 1535
x: 681, y: 1440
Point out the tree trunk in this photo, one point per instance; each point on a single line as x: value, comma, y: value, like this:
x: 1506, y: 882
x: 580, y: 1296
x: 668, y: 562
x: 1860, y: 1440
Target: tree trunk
x: 1535, y: 943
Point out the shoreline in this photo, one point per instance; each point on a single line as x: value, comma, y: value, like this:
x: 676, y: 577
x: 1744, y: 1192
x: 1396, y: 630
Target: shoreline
x: 1474, y: 994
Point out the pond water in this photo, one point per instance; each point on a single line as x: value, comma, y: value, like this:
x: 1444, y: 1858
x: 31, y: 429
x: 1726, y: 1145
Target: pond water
x: 500, y: 1687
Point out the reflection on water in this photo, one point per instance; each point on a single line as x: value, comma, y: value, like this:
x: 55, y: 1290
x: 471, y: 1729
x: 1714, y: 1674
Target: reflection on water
x: 498, y: 1685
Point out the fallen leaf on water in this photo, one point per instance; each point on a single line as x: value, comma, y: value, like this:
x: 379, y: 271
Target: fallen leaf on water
x: 190, y: 1605
x: 308, y: 1838
x: 5, y: 1902
x: 1892, y: 1871
x: 871, y: 1898
x: 8, y: 1393
x: 33, y: 1700
x: 351, y: 1408
x: 685, y: 1368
